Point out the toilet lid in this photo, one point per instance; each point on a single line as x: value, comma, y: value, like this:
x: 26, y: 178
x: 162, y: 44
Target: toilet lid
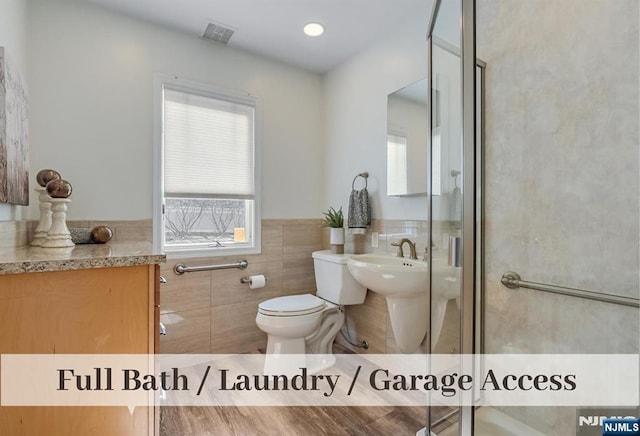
x: 291, y: 305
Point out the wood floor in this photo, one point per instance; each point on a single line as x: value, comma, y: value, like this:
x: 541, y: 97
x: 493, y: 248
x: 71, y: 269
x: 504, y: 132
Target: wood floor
x: 298, y: 421
x: 291, y: 421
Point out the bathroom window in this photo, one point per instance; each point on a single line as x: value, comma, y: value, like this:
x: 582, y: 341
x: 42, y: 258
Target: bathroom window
x: 396, y: 163
x: 206, y: 185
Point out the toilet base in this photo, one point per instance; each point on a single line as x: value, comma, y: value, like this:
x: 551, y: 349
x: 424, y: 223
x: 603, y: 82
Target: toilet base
x: 286, y: 355
x: 321, y: 342
x: 284, y: 364
x: 280, y: 345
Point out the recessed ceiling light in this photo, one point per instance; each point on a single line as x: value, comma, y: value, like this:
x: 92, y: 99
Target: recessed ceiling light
x: 313, y: 29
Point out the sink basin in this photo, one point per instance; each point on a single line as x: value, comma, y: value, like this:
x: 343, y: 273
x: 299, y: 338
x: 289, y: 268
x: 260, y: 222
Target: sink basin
x: 405, y: 285
x: 390, y: 276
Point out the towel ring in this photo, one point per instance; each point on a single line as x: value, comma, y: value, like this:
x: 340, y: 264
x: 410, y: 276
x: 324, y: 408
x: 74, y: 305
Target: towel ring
x: 455, y: 174
x: 364, y: 175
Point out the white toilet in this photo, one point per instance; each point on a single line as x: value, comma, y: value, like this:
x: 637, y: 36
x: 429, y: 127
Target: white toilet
x: 308, y: 324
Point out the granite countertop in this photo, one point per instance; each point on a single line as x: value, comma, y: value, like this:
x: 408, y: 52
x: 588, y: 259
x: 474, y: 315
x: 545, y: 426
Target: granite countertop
x: 21, y: 260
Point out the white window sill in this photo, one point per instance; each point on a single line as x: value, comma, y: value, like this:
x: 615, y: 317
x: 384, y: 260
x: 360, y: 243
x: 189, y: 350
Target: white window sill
x: 173, y: 253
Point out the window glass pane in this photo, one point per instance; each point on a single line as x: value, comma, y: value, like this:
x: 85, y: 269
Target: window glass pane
x: 208, y: 222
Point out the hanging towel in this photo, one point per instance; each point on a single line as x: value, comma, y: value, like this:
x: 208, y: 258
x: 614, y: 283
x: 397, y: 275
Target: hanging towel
x: 359, y: 210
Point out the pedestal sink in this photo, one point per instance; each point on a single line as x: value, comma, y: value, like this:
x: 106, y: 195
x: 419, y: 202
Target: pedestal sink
x: 405, y: 285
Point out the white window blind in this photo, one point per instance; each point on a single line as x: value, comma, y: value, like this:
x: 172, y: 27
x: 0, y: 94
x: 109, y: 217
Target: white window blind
x: 208, y: 147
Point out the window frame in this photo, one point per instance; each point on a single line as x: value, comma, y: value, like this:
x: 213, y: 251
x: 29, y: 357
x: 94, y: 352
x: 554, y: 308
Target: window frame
x: 160, y: 81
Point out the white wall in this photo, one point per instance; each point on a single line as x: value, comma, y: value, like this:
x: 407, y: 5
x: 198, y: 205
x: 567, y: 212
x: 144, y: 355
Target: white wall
x: 13, y: 37
x: 356, y: 107
x: 91, y: 109
x: 91, y: 74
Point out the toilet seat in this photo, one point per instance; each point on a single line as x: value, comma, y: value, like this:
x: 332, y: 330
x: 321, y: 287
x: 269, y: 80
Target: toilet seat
x: 292, y: 305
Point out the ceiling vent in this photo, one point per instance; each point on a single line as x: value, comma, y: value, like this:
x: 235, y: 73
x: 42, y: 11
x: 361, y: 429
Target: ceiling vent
x: 218, y: 32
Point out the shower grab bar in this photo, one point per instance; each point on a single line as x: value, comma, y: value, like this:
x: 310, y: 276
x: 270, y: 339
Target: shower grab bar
x: 181, y: 268
x: 512, y: 280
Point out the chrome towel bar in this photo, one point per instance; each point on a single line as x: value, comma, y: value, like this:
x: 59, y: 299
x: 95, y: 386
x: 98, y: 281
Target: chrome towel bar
x: 512, y: 280
x: 181, y: 268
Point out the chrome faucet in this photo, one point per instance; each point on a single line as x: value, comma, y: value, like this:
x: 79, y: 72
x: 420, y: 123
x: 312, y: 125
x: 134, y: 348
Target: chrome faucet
x: 412, y: 248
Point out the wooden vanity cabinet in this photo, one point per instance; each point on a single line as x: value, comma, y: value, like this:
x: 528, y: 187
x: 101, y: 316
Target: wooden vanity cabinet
x: 89, y: 311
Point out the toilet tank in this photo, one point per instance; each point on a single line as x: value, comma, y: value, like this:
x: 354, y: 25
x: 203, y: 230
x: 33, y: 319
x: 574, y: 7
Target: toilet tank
x: 334, y: 281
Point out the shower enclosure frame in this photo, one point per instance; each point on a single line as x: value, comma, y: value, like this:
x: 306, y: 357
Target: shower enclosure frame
x: 470, y: 323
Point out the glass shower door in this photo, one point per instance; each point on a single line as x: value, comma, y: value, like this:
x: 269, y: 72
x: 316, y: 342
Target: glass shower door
x: 452, y: 197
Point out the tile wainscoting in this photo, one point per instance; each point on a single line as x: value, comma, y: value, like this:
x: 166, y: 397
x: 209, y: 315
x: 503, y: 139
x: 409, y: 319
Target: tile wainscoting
x: 212, y: 312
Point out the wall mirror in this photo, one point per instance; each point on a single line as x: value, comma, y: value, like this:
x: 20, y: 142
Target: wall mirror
x: 447, y: 132
x: 407, y: 116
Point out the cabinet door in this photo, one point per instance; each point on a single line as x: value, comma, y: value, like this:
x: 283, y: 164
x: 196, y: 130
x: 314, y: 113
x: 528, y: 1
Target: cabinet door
x: 156, y: 307
x: 93, y: 311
